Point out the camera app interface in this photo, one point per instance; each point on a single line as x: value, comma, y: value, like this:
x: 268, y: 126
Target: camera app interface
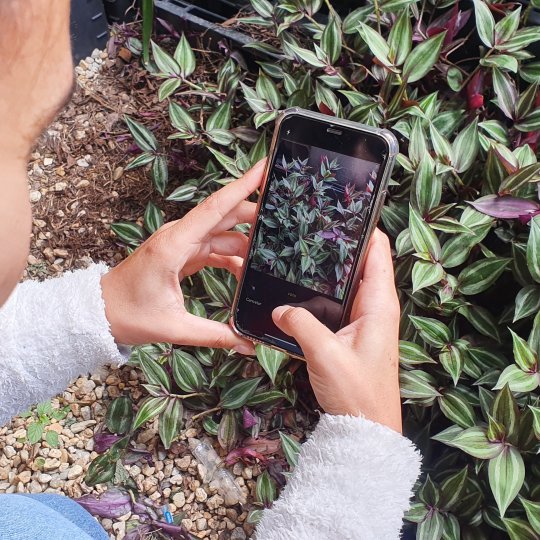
x: 306, y: 239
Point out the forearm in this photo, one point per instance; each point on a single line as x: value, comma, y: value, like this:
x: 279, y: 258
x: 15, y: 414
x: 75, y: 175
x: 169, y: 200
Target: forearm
x: 354, y: 480
x: 52, y: 332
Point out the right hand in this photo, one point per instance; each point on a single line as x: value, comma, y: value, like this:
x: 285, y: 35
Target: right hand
x: 355, y: 371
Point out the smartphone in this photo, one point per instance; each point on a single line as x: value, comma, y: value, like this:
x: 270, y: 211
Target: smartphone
x: 325, y: 183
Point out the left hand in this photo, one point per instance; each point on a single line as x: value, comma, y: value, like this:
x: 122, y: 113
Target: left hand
x: 143, y: 297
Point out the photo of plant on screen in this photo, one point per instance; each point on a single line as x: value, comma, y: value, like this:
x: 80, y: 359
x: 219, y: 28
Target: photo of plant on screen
x: 313, y: 217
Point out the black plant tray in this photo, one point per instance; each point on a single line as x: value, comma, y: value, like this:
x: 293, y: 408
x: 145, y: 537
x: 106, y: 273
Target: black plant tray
x: 89, y: 28
x: 206, y: 19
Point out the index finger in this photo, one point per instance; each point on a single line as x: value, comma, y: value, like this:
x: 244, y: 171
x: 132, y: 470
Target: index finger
x: 212, y: 211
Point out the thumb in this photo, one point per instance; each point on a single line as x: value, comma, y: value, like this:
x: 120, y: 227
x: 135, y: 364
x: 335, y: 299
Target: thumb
x: 310, y: 333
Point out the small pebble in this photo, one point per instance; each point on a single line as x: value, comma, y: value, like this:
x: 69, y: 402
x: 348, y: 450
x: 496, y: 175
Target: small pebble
x: 179, y: 499
x: 35, y: 196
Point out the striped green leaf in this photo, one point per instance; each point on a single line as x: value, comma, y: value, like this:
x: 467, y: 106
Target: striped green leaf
x: 530, y: 173
x: 474, y: 441
x: 533, y: 249
x: 482, y: 320
x: 331, y: 39
x: 411, y: 354
x: 417, y: 384
x: 265, y: 397
x: 149, y: 408
x: 350, y: 23
x: 505, y: 411
x: 183, y: 193
x: 518, y: 380
x: 119, y: 415
x: 187, y: 371
x: 228, y: 430
x: 184, y: 57
x: 416, y: 513
x: 451, y: 359
x: 425, y: 274
x: 306, y: 55
x: 228, y: 163
x: 480, y: 275
x: 263, y: 7
x: 210, y: 426
x: 267, y: 90
x: 153, y: 218
x: 505, y: 90
x: 225, y: 371
x: 140, y: 160
x: 447, y: 435
x: 426, y: 186
x: 168, y: 88
x: 422, y: 58
x: 521, y: 39
x: 527, y: 302
x: 400, y: 38
x: 431, y: 528
x: 501, y: 61
x: 181, y: 119
x: 143, y: 136
x: 160, y: 173
x: 451, y: 528
x: 220, y: 118
x: 506, y: 474
x: 265, y: 490
x: 485, y: 23
x: 376, y: 43
x: 507, y: 26
x: 524, y: 355
x: 270, y: 359
x: 440, y: 143
x: 465, y: 147
x: 130, y: 233
x: 164, y: 61
x: 432, y: 331
x: 170, y: 422
x: 456, y: 408
x: 216, y: 288
x: 220, y: 136
x: 238, y: 393
x: 519, y: 529
x: 453, y: 488
x: 536, y: 420
x: 291, y: 448
x: 423, y: 238
x: 532, y: 508
x: 152, y: 370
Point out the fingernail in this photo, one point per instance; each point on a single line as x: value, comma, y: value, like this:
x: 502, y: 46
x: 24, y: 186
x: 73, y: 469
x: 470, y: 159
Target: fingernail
x: 244, y: 348
x: 259, y: 163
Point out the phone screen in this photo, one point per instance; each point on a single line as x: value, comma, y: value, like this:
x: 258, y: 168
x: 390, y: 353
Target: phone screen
x: 320, y: 190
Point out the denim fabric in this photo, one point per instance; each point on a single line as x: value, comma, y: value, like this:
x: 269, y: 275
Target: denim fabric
x: 46, y: 516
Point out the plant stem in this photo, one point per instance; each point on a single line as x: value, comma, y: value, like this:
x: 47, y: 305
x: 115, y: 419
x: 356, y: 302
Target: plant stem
x: 205, y: 413
x: 378, y: 15
x: 185, y: 396
x: 473, y: 72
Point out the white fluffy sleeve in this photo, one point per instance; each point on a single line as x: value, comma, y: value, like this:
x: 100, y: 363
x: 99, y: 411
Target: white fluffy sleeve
x: 353, y: 481
x: 50, y: 333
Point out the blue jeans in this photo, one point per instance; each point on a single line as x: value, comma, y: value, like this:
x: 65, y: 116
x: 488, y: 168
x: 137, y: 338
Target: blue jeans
x: 46, y: 516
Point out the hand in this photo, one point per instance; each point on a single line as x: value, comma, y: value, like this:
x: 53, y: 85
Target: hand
x: 143, y: 297
x: 355, y: 371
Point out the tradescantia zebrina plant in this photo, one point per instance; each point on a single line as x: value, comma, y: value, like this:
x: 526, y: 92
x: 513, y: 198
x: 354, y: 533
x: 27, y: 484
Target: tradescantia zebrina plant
x: 458, y: 84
